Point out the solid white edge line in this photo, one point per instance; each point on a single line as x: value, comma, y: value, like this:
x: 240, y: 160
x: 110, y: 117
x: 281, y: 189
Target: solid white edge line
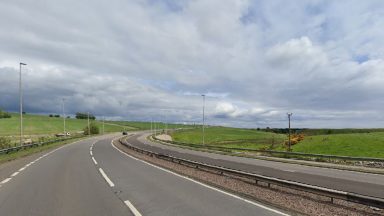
x: 204, y: 185
x: 5, y: 180
x: 32, y: 162
x: 106, y: 178
x: 132, y: 208
x: 94, y: 161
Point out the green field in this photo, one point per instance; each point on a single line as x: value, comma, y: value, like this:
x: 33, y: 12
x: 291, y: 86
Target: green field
x: 147, y: 125
x: 45, y: 125
x: 231, y: 137
x: 354, y: 144
x: 346, y: 142
x: 359, y: 144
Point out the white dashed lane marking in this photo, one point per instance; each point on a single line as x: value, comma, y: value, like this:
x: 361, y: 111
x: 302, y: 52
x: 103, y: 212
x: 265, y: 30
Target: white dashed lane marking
x: 132, y: 208
x: 5, y: 180
x: 14, y: 174
x: 202, y: 184
x: 94, y: 161
x: 106, y: 178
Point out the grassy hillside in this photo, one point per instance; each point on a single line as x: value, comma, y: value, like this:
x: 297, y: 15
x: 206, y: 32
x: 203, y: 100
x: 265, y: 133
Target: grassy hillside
x: 40, y: 124
x: 359, y: 144
x: 230, y: 137
x: 354, y: 144
x: 145, y: 125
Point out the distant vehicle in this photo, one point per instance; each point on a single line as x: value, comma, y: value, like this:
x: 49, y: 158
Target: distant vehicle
x: 125, y: 133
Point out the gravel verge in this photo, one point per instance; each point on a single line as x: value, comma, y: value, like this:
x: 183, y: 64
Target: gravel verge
x: 296, y: 202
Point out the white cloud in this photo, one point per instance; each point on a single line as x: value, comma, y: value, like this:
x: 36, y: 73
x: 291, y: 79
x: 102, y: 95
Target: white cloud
x: 297, y: 53
x: 255, y: 60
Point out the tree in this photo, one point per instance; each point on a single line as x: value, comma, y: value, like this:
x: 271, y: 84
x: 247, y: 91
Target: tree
x: 80, y: 115
x: 94, y: 129
x: 4, y: 114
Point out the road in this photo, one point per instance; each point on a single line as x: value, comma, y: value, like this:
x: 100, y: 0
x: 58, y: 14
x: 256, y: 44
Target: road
x: 91, y: 177
x: 361, y: 183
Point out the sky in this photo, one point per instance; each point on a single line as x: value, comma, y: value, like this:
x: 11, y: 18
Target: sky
x: 256, y: 60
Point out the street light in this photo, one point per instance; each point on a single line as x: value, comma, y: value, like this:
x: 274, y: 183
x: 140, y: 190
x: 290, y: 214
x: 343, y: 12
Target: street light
x: 89, y: 129
x: 203, y: 95
x: 103, y: 124
x: 289, y: 131
x: 65, y: 134
x: 21, y: 106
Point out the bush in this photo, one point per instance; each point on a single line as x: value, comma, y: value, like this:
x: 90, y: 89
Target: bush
x: 50, y: 115
x: 85, y: 116
x: 94, y: 129
x: 4, y: 114
x: 57, y: 116
x: 5, y: 142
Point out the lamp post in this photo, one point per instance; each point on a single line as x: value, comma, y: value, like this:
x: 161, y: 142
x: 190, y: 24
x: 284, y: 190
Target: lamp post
x: 89, y: 129
x: 203, y: 95
x: 103, y: 124
x: 63, y: 100
x: 155, y: 127
x: 21, y: 106
x: 289, y: 131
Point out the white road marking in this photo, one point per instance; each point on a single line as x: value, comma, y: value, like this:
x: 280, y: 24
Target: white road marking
x: 132, y: 208
x: 32, y: 162
x: 106, y: 178
x: 204, y: 185
x: 289, y: 170
x: 5, y: 180
x: 94, y: 161
x: 90, y: 152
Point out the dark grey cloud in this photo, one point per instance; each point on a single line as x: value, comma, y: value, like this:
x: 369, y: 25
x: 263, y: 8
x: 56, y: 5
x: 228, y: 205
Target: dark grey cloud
x: 145, y: 59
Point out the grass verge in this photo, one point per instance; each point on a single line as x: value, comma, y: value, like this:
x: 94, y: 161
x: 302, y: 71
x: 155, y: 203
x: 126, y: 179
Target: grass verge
x: 29, y: 151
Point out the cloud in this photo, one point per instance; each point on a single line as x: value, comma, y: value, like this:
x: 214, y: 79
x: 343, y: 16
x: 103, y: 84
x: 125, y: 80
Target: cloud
x: 143, y: 59
x: 297, y: 53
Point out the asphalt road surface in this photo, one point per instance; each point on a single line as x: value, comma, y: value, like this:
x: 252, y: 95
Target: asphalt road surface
x: 91, y: 177
x: 361, y: 183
